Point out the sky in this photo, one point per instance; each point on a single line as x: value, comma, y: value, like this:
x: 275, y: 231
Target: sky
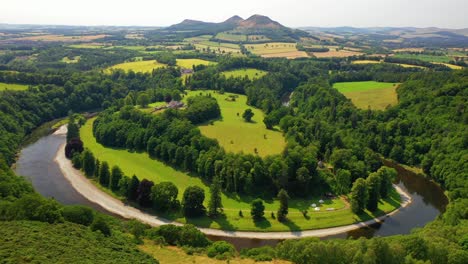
x: 292, y: 13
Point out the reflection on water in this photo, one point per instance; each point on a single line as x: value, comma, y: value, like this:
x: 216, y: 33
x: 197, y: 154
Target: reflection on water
x: 36, y: 163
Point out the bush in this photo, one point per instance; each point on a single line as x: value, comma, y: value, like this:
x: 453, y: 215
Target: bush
x: 100, y: 224
x: 191, y: 236
x: 221, y: 250
x: 170, y: 233
x: 266, y: 253
x: 78, y: 214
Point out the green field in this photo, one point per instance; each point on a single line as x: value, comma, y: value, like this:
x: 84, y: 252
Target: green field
x: 12, y: 87
x: 75, y: 59
x: 137, y: 66
x: 231, y: 37
x: 249, y: 72
x: 376, y: 95
x: 144, y: 167
x: 424, y: 57
x: 236, y: 135
x: 189, y: 63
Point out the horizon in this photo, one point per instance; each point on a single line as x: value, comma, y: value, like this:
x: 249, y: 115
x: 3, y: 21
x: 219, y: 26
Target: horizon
x: 323, y: 14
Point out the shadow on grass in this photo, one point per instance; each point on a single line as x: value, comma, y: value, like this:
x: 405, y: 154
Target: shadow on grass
x: 205, y: 221
x: 291, y: 225
x: 262, y: 223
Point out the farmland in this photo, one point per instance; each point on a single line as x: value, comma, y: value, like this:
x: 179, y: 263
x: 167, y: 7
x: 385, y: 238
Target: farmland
x: 376, y: 95
x: 137, y: 66
x: 236, y: 135
x: 276, y: 49
x: 336, y: 54
x: 12, y: 87
x: 249, y: 72
x: 61, y: 38
x: 424, y: 57
x: 75, y: 59
x: 189, y: 63
x: 144, y: 167
x: 231, y: 37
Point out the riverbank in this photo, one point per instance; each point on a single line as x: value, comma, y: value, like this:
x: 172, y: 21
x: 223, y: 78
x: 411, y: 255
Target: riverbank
x: 88, y: 190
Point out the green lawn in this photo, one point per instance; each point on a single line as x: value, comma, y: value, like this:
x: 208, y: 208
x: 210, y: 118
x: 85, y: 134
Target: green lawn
x: 249, y: 72
x: 144, y: 167
x: 189, y: 63
x: 137, y: 66
x: 376, y: 95
x: 13, y: 87
x: 236, y: 135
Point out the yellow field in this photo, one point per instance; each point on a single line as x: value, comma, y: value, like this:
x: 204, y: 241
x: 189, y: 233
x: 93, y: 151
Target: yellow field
x: 137, y: 66
x: 451, y: 66
x: 75, y: 59
x: 365, y: 62
x: 336, y: 54
x: 249, y: 72
x: 189, y: 63
x: 276, y: 49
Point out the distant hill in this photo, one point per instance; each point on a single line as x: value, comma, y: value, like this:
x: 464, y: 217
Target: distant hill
x: 254, y: 25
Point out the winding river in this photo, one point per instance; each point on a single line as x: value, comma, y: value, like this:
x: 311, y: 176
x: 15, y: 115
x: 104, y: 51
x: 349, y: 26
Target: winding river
x: 36, y: 163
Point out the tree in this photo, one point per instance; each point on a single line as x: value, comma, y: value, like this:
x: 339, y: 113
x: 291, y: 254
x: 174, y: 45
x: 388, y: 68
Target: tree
x: 75, y: 145
x: 247, y: 115
x: 88, y: 163
x: 72, y: 130
x: 387, y: 176
x: 373, y: 189
x: 132, y: 192
x: 359, y: 196
x: 104, y: 174
x: 143, y: 100
x: 164, y: 196
x: 215, y: 198
x: 283, y: 209
x: 116, y: 176
x: 193, y: 201
x: 257, y: 210
x: 76, y: 160
x: 144, y: 193
x: 343, y: 181
x: 97, y: 166
x: 78, y: 214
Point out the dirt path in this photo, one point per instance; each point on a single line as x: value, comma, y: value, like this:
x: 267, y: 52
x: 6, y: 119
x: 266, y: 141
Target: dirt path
x: 111, y: 204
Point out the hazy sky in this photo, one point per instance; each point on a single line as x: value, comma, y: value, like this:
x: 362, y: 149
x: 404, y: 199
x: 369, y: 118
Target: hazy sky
x: 293, y: 13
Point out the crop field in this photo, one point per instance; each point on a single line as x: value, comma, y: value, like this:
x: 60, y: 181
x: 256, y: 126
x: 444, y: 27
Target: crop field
x: 88, y: 46
x: 276, y: 49
x: 376, y: 95
x: 218, y: 47
x: 423, y: 57
x: 366, y: 62
x: 451, y: 66
x: 236, y: 135
x: 336, y: 54
x: 137, y: 66
x: 12, y: 87
x: 231, y: 37
x: 144, y: 167
x: 189, y: 63
x: 255, y: 38
x: 198, y: 38
x: 249, y: 72
x: 62, y: 38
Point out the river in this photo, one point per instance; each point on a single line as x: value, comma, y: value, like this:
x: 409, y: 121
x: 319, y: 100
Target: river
x: 36, y: 163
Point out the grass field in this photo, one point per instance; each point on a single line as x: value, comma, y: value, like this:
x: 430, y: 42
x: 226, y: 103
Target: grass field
x: 366, y: 62
x: 423, y: 57
x: 376, y: 95
x: 144, y: 167
x: 218, y: 47
x: 236, y: 135
x: 189, y: 63
x: 62, y: 38
x: 170, y: 254
x: 137, y: 66
x: 451, y: 66
x: 249, y: 72
x: 12, y: 87
x: 276, y: 49
x: 75, y: 59
x: 231, y: 37
x: 336, y: 54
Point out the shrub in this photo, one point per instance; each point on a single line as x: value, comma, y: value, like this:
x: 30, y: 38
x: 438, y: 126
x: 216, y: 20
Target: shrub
x: 100, y: 224
x: 78, y: 214
x: 221, y: 250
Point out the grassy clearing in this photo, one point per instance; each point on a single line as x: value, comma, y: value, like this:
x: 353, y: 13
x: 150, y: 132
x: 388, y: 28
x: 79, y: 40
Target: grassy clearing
x: 170, y: 254
x: 137, y: 66
x: 236, y: 135
x: 75, y: 59
x: 451, y: 66
x: 12, y: 87
x: 376, y: 95
x: 231, y: 37
x: 189, y: 63
x: 144, y: 167
x: 249, y: 72
x: 424, y: 57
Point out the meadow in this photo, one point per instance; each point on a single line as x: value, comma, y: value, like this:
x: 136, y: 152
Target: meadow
x: 251, y: 73
x: 75, y: 59
x: 276, y: 49
x: 376, y: 95
x: 137, y: 66
x: 12, y: 87
x: 189, y: 63
x: 231, y: 37
x: 236, y: 135
x: 424, y: 57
